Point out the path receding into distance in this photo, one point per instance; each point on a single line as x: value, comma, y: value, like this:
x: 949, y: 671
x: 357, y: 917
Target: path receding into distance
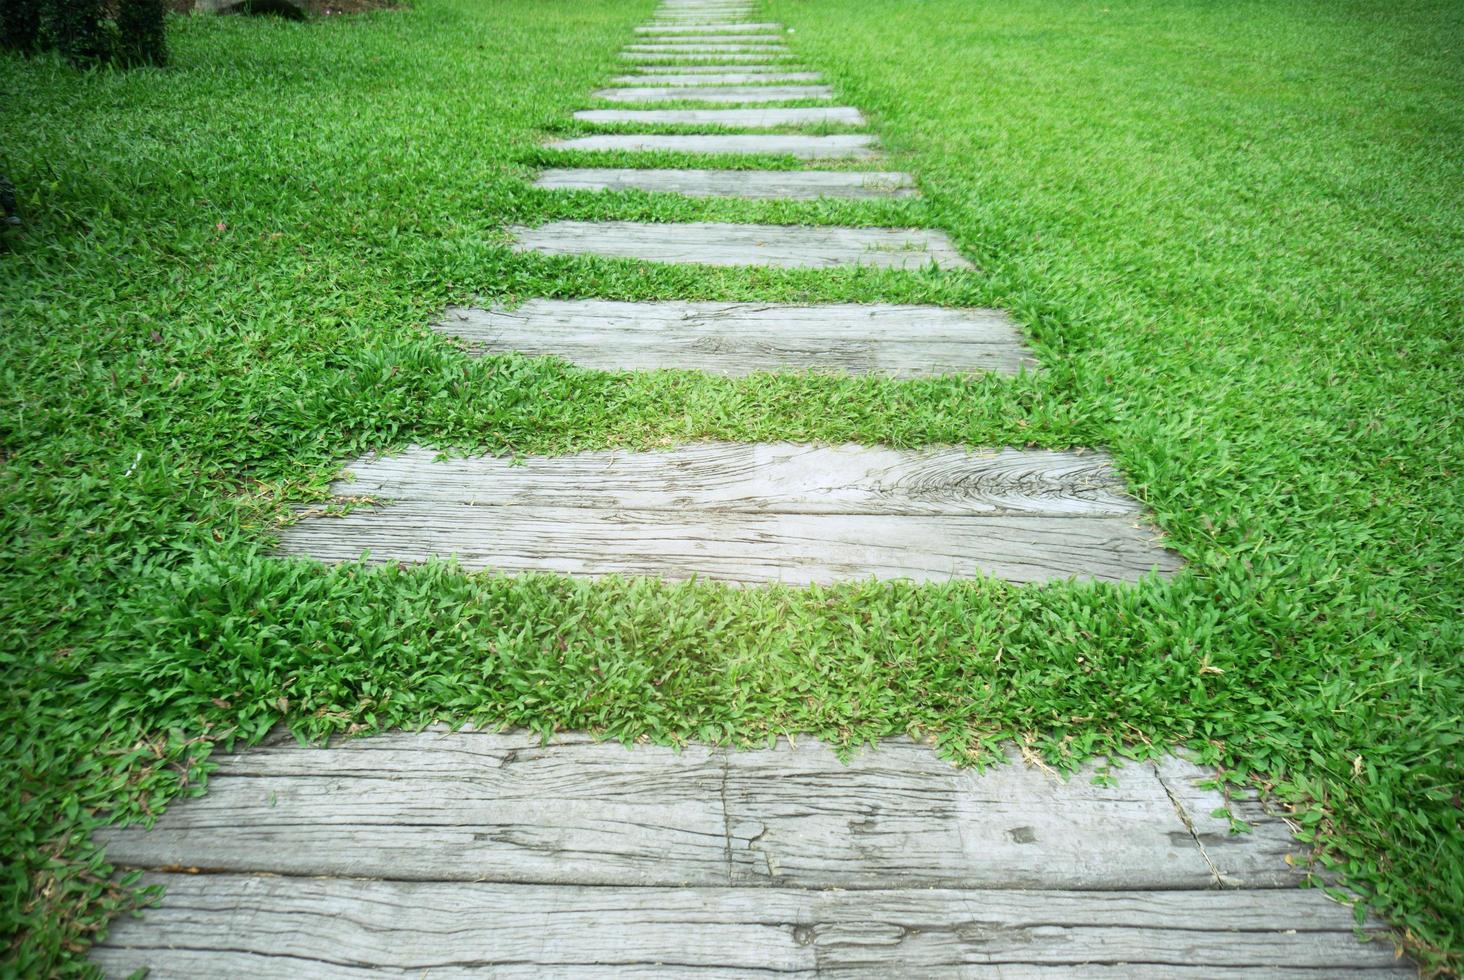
x: 454, y: 854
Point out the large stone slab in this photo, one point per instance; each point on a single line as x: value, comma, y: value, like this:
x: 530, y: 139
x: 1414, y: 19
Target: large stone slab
x: 451, y: 854
x: 489, y: 806
x: 839, y: 146
x: 726, y: 243
x: 747, y: 514
x: 786, y: 184
x: 713, y: 93
x: 242, y: 926
x: 734, y: 118
x: 740, y: 338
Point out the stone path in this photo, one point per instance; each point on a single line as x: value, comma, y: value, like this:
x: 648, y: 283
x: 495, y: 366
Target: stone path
x: 454, y: 854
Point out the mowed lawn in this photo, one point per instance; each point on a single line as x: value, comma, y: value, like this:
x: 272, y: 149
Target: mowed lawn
x: 1234, y: 231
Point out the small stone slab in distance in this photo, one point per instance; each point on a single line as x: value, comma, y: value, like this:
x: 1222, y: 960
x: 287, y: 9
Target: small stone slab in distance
x: 714, y: 93
x: 739, y: 338
x: 784, y: 184
x: 726, y: 243
x: 733, y: 118
x: 762, y: 27
x: 839, y: 146
x: 741, y: 79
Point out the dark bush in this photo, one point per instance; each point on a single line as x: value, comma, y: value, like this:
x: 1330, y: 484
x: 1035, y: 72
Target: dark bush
x: 140, y: 32
x: 125, y: 32
x: 20, y: 24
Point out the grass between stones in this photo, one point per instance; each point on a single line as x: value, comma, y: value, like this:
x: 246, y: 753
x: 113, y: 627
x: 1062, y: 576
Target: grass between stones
x: 1235, y: 237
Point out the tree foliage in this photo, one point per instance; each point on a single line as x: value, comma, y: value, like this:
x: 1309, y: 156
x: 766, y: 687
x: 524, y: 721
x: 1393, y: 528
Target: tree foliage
x: 123, y: 32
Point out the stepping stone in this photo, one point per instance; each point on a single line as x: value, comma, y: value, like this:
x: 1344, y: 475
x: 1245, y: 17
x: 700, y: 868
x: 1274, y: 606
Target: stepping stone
x: 842, y: 146
x: 737, y: 118
x: 689, y: 40
x: 760, y: 70
x: 714, y: 93
x: 729, y: 28
x: 712, y: 59
x: 454, y: 854
x: 737, y: 78
x: 698, y: 20
x: 725, y: 243
x: 786, y: 184
x: 739, y: 338
x: 748, y: 514
x: 682, y: 45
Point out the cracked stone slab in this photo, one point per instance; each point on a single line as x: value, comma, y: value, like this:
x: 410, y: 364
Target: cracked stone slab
x: 747, y: 514
x: 736, y: 339
x: 454, y: 852
x: 728, y: 243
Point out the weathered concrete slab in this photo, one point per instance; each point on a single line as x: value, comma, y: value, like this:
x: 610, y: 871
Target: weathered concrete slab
x: 487, y: 806
x: 748, y: 514
x: 725, y: 243
x: 341, y: 927
x: 786, y: 184
x: 740, y: 79
x: 739, y: 338
x: 737, y: 118
x: 839, y: 146
x: 455, y: 853
x: 714, y: 93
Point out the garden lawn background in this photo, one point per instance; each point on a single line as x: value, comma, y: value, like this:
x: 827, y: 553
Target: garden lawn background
x: 1235, y: 234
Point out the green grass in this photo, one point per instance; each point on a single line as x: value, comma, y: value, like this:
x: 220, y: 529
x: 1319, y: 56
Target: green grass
x: 1234, y: 233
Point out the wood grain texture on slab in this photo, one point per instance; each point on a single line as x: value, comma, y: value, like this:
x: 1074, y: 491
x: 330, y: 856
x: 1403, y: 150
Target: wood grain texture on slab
x: 231, y: 925
x: 476, y: 805
x: 747, y: 514
x: 736, y: 339
x: 460, y: 852
x: 727, y: 243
